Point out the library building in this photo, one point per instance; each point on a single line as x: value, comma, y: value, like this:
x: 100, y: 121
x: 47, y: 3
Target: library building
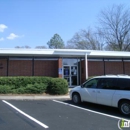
x: 71, y: 64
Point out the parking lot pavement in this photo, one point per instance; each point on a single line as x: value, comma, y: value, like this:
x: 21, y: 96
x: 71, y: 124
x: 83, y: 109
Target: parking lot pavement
x: 56, y: 115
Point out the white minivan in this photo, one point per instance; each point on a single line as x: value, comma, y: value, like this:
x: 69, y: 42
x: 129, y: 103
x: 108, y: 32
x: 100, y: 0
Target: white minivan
x: 110, y: 90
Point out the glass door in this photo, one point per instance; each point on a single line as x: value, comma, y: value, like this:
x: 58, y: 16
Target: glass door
x: 70, y: 74
x: 73, y: 75
x: 66, y: 72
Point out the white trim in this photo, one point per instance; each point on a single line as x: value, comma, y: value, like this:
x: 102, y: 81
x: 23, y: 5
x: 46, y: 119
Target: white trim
x: 46, y: 59
x: 108, y: 60
x: 63, y: 52
x: 86, y: 66
x: 126, y: 60
x: 95, y: 59
x: 20, y: 58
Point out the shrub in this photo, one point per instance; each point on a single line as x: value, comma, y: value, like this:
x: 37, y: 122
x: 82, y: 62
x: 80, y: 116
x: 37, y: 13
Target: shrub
x: 21, y: 85
x: 57, y: 86
x: 20, y: 90
x: 4, y: 89
x: 35, y: 88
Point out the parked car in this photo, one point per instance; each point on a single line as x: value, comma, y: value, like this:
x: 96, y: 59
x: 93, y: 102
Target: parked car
x: 109, y: 90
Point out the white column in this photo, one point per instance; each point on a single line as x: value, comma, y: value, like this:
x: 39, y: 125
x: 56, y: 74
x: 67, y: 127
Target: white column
x: 86, y: 66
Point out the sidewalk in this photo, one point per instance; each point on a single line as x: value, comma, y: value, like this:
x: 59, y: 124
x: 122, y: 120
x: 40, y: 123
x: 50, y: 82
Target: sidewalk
x: 33, y: 97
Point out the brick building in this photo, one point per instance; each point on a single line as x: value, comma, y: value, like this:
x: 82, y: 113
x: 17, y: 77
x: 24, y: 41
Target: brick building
x: 73, y: 65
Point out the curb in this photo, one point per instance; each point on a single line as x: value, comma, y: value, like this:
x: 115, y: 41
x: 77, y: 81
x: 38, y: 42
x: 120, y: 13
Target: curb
x: 33, y: 97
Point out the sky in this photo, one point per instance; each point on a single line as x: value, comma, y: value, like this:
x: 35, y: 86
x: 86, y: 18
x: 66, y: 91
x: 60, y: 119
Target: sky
x: 34, y: 22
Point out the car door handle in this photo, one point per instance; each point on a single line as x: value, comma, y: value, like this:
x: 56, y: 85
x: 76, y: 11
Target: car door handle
x: 93, y: 91
x: 98, y: 91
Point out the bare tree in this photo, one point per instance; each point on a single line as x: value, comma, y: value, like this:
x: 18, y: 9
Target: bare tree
x: 27, y: 47
x: 86, y: 39
x: 40, y: 47
x: 18, y: 47
x: 115, y: 27
x: 23, y: 47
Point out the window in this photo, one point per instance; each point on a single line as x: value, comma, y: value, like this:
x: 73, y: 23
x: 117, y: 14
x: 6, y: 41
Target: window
x: 123, y: 84
x: 91, y: 84
x: 70, y: 61
x: 107, y: 83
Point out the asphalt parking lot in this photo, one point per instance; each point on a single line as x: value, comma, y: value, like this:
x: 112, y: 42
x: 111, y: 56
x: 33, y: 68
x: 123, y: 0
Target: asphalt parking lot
x: 56, y: 115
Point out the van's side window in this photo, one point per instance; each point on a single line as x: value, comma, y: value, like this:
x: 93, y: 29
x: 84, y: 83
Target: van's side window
x: 91, y: 84
x: 107, y: 83
x: 123, y: 84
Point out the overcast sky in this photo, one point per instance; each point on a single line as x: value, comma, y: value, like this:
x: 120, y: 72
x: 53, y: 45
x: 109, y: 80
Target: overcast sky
x: 34, y: 22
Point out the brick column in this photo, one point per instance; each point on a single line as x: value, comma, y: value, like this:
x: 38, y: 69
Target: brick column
x: 60, y: 71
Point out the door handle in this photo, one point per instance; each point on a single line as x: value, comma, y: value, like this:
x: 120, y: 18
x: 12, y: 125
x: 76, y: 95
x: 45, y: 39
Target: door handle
x: 94, y: 91
x: 98, y: 91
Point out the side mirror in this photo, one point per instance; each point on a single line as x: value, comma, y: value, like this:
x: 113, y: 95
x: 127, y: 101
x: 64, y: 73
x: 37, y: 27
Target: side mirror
x: 82, y: 85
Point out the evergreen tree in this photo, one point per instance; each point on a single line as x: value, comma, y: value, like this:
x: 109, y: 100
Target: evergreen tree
x: 56, y: 42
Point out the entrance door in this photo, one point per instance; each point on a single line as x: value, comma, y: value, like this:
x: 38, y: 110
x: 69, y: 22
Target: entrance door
x: 70, y: 74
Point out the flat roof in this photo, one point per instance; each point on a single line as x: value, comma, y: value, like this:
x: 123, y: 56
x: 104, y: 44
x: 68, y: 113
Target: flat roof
x: 64, y: 53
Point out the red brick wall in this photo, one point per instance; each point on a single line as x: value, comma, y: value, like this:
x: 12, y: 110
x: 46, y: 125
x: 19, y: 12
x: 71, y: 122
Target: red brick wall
x: 83, y: 77
x: 50, y: 68
x: 127, y: 68
x: 20, y: 68
x: 46, y: 68
x: 95, y: 68
x: 112, y: 67
x: 3, y: 67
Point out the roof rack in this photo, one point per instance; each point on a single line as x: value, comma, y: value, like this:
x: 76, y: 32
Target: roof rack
x: 110, y: 75
x: 122, y: 75
x: 116, y: 75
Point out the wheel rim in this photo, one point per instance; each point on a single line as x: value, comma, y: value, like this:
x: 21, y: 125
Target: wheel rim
x: 75, y: 98
x: 125, y: 108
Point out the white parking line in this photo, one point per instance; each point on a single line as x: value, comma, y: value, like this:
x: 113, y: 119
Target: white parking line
x: 31, y: 118
x: 115, y: 117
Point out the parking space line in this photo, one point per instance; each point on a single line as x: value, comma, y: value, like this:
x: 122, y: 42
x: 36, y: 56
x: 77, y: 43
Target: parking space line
x: 23, y: 113
x: 115, y: 117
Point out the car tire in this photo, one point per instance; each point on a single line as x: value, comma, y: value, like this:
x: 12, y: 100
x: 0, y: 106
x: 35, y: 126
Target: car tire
x: 124, y: 107
x: 76, y: 98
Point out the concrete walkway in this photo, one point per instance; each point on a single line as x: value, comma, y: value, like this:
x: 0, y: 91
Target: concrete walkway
x: 32, y: 97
